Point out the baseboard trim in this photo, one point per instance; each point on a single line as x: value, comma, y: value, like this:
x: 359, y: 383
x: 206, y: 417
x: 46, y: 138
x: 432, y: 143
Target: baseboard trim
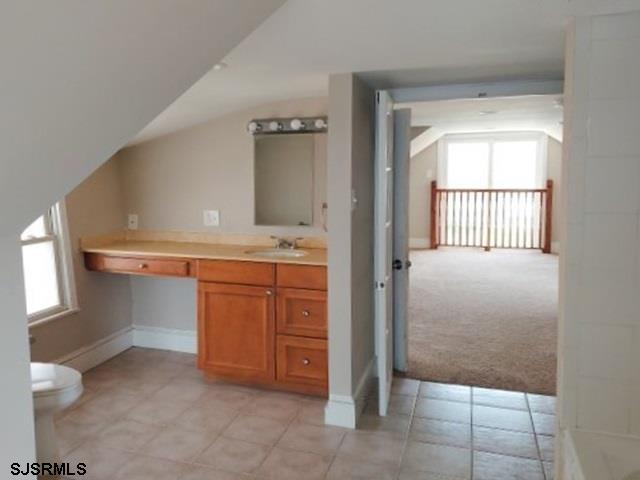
x: 91, y: 356
x: 165, y: 338
x: 419, y: 242
x: 555, y: 247
x: 345, y: 410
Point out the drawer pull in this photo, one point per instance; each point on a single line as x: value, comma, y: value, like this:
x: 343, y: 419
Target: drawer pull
x: 306, y: 361
x: 269, y: 292
x: 142, y: 266
x: 305, y: 313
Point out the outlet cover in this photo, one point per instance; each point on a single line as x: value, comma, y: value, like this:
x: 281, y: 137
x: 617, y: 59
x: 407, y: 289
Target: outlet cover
x: 211, y: 218
x: 132, y: 221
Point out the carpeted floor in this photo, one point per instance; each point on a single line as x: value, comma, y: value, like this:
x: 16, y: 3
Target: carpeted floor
x: 484, y: 318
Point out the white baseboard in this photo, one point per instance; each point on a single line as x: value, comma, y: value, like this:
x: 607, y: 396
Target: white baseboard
x: 419, y: 242
x: 91, y: 356
x: 555, y: 247
x: 165, y: 338
x: 344, y: 410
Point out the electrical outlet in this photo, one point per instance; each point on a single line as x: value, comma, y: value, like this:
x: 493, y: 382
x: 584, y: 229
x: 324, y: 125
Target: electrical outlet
x: 211, y: 218
x: 132, y: 221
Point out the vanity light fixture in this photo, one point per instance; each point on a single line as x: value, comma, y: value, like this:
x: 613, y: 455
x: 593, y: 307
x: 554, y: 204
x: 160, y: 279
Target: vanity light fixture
x: 283, y: 126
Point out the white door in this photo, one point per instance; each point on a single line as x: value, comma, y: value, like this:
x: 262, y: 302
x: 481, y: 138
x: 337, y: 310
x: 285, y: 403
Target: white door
x: 383, y: 234
x: 401, y: 263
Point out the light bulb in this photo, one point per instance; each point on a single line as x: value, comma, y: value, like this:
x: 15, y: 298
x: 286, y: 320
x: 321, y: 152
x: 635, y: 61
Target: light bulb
x: 275, y: 126
x: 296, y: 124
x: 254, y: 127
x: 320, y: 123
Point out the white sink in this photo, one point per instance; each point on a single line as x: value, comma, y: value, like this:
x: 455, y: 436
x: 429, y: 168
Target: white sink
x: 278, y: 253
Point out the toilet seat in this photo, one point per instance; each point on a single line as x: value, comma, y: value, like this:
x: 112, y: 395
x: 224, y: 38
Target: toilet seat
x: 50, y: 379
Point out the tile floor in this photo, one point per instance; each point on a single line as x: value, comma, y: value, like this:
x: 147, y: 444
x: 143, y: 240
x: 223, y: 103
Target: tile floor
x: 149, y: 415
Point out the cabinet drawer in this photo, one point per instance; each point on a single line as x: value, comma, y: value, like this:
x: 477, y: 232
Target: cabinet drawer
x: 137, y: 265
x: 302, y: 361
x: 244, y: 273
x: 302, y: 276
x: 302, y: 312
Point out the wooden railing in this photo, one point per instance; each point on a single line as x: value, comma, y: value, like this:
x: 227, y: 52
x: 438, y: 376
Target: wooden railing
x: 491, y: 218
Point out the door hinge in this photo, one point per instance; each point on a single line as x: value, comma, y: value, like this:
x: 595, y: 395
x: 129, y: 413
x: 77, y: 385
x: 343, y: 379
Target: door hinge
x: 379, y: 285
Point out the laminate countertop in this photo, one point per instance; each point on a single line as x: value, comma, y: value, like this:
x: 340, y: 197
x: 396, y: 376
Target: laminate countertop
x: 205, y: 251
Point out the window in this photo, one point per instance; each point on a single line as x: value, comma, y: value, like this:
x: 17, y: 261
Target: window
x: 48, y: 276
x: 503, y: 161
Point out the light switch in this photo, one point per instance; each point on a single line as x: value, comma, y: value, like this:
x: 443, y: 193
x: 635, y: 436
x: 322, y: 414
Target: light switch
x: 211, y: 218
x: 132, y: 221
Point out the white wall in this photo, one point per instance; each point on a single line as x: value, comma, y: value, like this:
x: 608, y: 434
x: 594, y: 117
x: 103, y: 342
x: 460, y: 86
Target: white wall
x: 79, y: 79
x: 350, y: 169
x: 600, y: 252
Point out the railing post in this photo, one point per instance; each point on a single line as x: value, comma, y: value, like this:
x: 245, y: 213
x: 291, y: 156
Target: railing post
x: 548, y: 217
x: 434, y: 215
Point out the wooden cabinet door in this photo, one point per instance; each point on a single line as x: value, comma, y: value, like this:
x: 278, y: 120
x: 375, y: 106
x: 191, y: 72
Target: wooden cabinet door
x: 303, y: 362
x: 302, y: 312
x: 236, y: 331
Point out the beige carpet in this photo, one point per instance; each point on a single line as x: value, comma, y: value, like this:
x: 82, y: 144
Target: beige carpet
x: 484, y: 318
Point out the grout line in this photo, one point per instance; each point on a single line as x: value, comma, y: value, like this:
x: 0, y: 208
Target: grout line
x: 535, y: 438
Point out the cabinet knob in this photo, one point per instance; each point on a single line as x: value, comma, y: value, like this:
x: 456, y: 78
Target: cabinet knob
x: 305, y: 313
x: 142, y: 265
x: 269, y: 292
x: 306, y: 361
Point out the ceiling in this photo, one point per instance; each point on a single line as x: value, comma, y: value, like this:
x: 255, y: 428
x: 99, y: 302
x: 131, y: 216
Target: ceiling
x: 400, y: 43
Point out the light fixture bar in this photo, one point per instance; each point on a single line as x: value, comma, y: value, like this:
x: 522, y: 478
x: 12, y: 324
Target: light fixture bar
x: 273, y: 126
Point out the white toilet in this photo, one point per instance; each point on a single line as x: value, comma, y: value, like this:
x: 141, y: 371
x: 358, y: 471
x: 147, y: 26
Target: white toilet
x: 54, y: 389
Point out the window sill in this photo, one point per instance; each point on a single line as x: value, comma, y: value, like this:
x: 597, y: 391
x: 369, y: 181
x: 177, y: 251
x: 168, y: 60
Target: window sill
x: 55, y: 316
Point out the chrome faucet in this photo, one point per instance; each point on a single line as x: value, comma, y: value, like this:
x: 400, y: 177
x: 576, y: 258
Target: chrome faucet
x: 286, y: 243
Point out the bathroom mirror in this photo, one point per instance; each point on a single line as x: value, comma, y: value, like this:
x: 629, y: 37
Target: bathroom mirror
x: 283, y: 168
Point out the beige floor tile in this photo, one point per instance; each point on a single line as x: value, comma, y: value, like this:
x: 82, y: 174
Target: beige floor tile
x: 406, y: 474
x: 385, y: 449
x: 489, y: 466
x: 149, y: 468
x: 140, y: 386
x: 398, y: 424
x: 499, y: 398
x: 70, y: 434
x: 398, y: 405
x: 544, y: 424
x: 323, y: 440
x: 505, y: 442
x: 234, y: 455
x: 255, y: 429
x: 443, y: 391
x: 178, y: 444
x: 542, y: 403
x: 504, y: 418
x: 102, y: 463
x: 208, y: 473
x: 429, y: 430
x: 547, y: 446
x: 181, y: 391
x: 127, y: 435
x: 312, y: 412
x: 349, y: 469
x: 106, y: 406
x: 293, y: 465
x: 209, y: 418
x: 273, y: 405
x: 405, y: 386
x: 156, y: 412
x: 182, y: 357
x: 443, y: 410
x: 226, y: 396
x: 441, y: 459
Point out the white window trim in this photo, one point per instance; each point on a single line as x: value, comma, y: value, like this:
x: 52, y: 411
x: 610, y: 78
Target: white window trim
x: 539, y: 137
x: 64, y: 264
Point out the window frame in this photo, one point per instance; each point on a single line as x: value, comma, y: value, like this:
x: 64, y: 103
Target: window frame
x: 57, y: 231
x: 491, y: 138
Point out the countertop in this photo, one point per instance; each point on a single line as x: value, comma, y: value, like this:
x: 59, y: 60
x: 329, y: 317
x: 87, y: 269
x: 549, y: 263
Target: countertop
x: 207, y: 251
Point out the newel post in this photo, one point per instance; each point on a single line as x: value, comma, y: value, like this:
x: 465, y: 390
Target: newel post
x: 548, y: 218
x: 433, y: 235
